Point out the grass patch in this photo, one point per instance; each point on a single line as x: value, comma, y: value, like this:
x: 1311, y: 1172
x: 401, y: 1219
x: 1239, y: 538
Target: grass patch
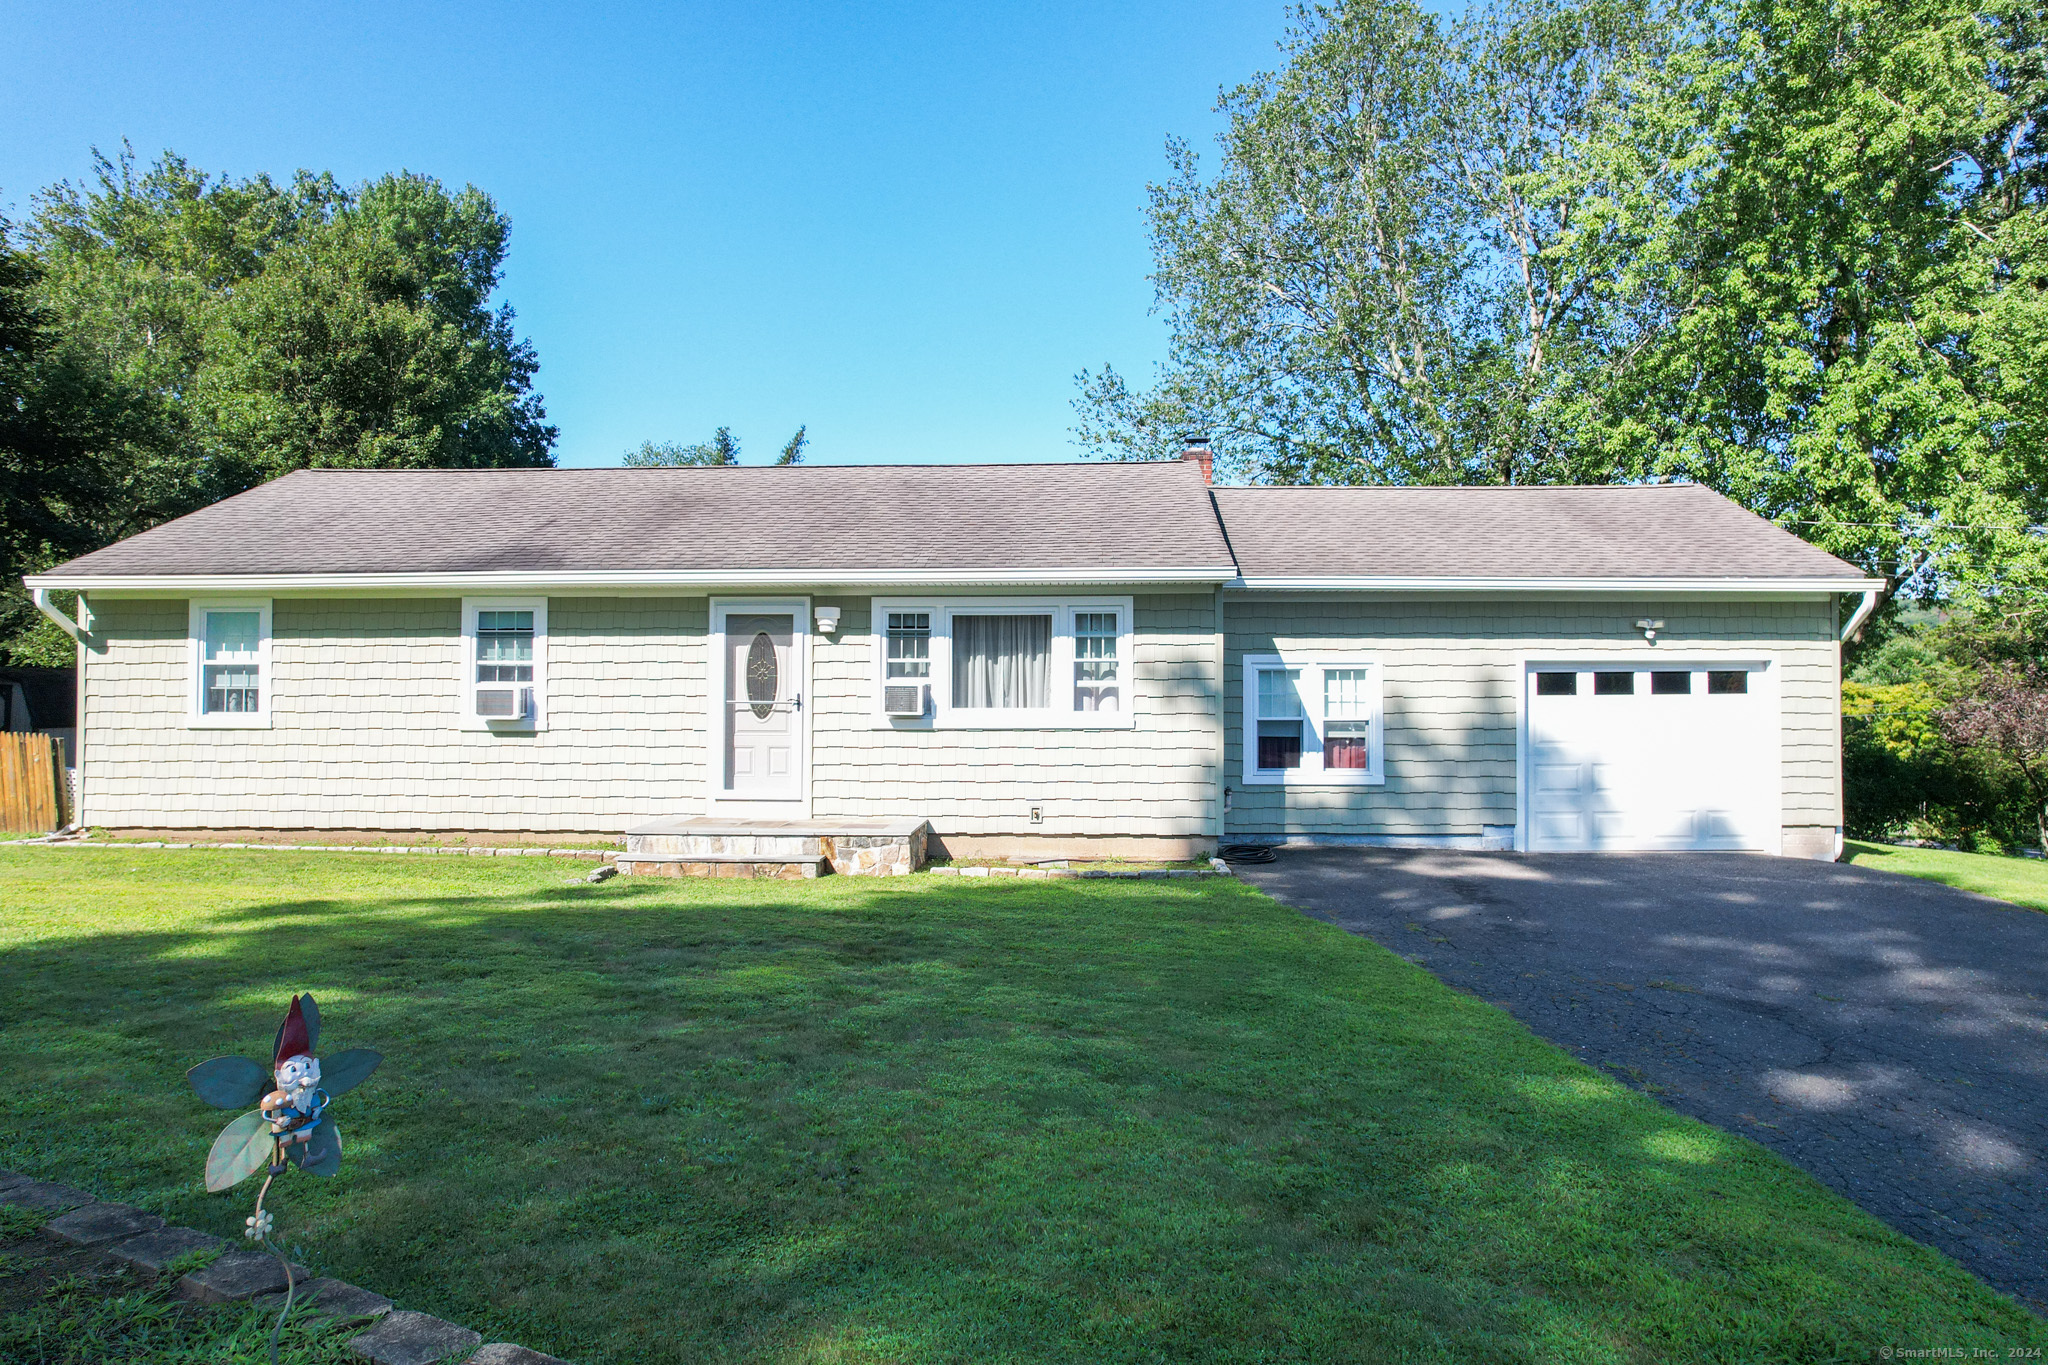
x: 2022, y: 881
x: 93, y: 1316
x: 906, y: 1120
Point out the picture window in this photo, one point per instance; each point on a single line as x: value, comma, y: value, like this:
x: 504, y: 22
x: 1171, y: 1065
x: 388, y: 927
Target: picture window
x: 992, y: 662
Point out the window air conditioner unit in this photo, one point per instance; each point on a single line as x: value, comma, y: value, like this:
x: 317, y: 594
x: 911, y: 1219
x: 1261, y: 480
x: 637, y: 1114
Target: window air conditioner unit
x: 905, y: 699
x: 504, y: 703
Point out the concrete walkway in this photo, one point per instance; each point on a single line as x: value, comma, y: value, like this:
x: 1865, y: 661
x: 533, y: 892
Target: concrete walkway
x: 1889, y: 1035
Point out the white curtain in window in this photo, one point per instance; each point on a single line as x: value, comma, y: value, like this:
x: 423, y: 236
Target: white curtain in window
x: 1002, y: 662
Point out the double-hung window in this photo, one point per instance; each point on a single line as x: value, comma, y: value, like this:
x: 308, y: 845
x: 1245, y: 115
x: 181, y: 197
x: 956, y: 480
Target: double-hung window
x: 997, y: 662
x: 230, y: 664
x: 910, y: 646
x: 504, y: 684
x: 1096, y: 684
x: 1312, y: 721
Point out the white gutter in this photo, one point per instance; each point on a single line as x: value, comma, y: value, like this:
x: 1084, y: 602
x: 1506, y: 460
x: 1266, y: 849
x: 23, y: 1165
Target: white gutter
x: 655, y: 579
x: 1362, y: 583
x: 1862, y: 612
x: 77, y: 630
x: 600, y: 579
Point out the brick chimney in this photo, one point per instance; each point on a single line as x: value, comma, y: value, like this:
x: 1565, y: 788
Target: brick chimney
x: 1197, y: 450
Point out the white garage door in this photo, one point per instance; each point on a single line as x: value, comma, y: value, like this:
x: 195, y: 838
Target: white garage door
x: 1676, y: 756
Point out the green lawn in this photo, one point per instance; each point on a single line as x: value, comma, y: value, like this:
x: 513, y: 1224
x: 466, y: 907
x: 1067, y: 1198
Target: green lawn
x: 2023, y: 881
x: 912, y: 1120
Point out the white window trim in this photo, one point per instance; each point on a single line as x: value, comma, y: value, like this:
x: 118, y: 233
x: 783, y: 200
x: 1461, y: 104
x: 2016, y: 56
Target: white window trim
x: 1060, y: 716
x: 465, y: 707
x: 1311, y: 773
x: 196, y: 716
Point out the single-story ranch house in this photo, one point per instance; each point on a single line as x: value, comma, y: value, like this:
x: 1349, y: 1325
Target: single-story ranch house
x: 1037, y: 660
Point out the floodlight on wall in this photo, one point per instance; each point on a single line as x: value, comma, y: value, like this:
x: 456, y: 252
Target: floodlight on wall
x: 828, y: 619
x: 1649, y: 628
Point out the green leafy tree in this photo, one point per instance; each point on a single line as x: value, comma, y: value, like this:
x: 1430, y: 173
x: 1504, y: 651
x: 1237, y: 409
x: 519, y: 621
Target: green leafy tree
x: 721, y: 449
x: 1794, y: 249
x: 793, y: 449
x: 1837, y: 265
x: 1391, y: 274
x: 50, y: 479
x: 196, y: 335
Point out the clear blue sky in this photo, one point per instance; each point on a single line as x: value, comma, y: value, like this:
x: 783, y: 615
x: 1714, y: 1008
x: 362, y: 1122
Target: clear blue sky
x: 906, y: 225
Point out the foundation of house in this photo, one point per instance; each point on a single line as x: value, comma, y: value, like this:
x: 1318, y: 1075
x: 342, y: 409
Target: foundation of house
x: 774, y: 848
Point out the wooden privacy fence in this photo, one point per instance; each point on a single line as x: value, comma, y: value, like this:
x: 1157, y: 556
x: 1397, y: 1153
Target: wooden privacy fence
x: 31, y: 782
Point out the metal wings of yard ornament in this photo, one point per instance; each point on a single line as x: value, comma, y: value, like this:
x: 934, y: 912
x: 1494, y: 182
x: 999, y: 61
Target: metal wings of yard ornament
x: 291, y: 1125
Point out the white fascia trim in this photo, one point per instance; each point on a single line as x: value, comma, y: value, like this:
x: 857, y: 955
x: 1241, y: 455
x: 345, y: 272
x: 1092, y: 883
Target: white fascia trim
x: 1859, y: 616
x: 566, y: 582
x: 1616, y: 585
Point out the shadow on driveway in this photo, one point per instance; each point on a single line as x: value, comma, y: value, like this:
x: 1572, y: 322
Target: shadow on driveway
x: 1889, y: 1035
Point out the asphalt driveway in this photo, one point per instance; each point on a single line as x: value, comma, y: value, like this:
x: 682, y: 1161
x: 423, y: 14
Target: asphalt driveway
x: 1889, y: 1035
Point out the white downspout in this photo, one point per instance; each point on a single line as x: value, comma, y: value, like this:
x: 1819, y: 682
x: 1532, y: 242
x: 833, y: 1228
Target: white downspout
x: 1861, y: 614
x: 77, y: 630
x: 1854, y: 624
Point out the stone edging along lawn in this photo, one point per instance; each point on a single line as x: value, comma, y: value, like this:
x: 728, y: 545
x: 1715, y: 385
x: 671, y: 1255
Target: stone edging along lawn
x: 140, y: 1242
x: 588, y: 855
x: 1217, y: 867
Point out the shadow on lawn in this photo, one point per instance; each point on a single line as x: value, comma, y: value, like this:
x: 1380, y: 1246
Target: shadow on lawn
x: 835, y: 1122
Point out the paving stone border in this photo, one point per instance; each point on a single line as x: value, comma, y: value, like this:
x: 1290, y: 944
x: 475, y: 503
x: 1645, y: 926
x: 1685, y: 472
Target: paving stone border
x: 1216, y: 868
x: 587, y: 855
x: 138, y: 1239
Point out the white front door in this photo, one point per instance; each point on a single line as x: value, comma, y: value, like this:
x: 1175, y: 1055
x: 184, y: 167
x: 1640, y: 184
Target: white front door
x: 761, y: 755
x: 1680, y: 755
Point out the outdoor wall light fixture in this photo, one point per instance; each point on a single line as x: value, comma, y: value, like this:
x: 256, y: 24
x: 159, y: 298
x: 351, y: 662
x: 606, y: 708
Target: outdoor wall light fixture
x: 1649, y: 628
x: 828, y: 619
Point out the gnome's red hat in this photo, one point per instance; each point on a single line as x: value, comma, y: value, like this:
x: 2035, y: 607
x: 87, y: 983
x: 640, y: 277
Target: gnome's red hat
x: 292, y: 1039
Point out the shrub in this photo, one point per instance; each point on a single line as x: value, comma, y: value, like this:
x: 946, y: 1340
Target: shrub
x: 1902, y: 775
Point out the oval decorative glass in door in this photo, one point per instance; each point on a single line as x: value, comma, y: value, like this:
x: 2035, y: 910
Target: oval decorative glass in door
x: 763, y: 675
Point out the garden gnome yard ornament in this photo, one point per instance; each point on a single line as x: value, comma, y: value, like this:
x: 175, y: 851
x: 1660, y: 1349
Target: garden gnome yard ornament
x: 290, y: 1127
x: 293, y: 1110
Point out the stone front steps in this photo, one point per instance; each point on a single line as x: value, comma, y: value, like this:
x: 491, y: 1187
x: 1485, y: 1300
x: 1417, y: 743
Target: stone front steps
x: 774, y: 848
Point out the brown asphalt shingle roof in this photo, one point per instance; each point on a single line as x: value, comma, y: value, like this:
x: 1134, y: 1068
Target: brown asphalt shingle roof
x: 938, y: 517
x: 1631, y: 531
x: 952, y: 519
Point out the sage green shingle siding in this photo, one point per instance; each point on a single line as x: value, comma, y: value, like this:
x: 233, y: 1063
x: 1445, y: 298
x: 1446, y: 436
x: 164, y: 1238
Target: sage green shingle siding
x: 365, y: 710
x: 366, y: 733
x: 1157, y: 779
x: 365, y: 729
x: 1451, y: 670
